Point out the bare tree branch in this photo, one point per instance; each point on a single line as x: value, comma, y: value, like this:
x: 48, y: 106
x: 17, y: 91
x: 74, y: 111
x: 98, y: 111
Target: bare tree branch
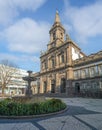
x: 7, y: 71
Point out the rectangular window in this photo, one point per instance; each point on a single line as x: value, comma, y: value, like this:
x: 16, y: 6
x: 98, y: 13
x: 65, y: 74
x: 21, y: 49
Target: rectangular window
x: 75, y: 74
x: 45, y: 65
x: 83, y: 73
x: 62, y: 58
x: 100, y: 69
x: 92, y: 72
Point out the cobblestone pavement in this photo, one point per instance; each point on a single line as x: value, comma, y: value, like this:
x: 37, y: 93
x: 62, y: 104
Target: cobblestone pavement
x: 82, y: 114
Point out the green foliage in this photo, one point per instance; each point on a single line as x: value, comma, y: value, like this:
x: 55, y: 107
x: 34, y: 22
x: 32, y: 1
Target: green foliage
x: 9, y: 107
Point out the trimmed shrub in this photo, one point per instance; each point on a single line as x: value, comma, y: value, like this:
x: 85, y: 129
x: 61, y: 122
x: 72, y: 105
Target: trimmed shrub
x: 13, y: 108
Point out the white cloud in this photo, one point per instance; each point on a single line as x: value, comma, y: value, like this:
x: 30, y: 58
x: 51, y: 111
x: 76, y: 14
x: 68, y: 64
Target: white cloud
x: 28, y: 4
x: 86, y: 20
x: 23, y: 61
x: 27, y: 36
x: 26, y: 58
x: 9, y: 9
x: 19, y: 58
x: 7, y: 12
x: 7, y: 56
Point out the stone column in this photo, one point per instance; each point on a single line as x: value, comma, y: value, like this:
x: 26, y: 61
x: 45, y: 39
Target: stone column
x: 57, y: 83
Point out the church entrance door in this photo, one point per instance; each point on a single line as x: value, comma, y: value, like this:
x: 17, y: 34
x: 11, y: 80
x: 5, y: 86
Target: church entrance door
x: 63, y: 85
x: 53, y: 86
x: 77, y: 87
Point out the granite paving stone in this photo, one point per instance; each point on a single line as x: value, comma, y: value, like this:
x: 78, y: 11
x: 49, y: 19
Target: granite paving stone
x: 82, y: 114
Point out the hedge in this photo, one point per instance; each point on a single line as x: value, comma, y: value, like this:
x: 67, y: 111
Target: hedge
x: 8, y: 107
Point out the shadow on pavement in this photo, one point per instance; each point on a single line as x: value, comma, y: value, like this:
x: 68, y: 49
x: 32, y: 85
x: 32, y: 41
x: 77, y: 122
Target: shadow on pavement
x: 72, y: 111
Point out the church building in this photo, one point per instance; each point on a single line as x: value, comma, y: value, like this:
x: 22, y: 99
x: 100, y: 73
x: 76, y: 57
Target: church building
x: 66, y: 69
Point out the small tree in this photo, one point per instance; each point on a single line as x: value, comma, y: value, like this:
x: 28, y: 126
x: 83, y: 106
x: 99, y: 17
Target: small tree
x: 7, y: 72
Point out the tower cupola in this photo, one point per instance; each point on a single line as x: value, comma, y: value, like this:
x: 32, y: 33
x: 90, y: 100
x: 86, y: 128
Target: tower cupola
x: 57, y: 31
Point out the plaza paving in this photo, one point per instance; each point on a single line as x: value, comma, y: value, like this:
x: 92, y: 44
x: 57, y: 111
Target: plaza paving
x: 82, y: 114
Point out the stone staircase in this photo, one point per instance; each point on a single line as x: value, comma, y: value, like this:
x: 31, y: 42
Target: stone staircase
x: 59, y: 95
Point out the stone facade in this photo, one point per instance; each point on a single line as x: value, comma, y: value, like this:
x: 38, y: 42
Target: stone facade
x: 88, y: 75
x: 35, y: 85
x: 65, y: 68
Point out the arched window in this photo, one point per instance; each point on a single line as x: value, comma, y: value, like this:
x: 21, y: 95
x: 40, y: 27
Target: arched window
x: 54, y: 36
x: 63, y: 85
x: 53, y: 63
x: 62, y: 58
x: 45, y: 65
x: 53, y: 86
x: 77, y: 87
x: 61, y: 35
x: 45, y: 87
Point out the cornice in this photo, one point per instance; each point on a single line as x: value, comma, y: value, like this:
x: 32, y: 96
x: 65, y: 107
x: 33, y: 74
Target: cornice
x: 88, y: 59
x: 88, y: 78
x: 54, y: 49
x: 53, y: 70
x: 56, y: 25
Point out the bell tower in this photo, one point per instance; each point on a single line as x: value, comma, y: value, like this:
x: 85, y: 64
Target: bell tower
x: 57, y: 32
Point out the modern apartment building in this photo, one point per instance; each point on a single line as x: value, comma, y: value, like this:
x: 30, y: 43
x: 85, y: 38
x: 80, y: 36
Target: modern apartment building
x: 16, y: 86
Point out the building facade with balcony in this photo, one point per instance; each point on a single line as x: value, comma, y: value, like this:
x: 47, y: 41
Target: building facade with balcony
x: 65, y: 68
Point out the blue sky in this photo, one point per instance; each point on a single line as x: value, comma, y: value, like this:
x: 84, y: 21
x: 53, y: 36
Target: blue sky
x: 25, y: 25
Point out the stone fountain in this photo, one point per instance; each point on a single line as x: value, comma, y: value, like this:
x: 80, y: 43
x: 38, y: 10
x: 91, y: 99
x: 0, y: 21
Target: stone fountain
x: 29, y: 79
